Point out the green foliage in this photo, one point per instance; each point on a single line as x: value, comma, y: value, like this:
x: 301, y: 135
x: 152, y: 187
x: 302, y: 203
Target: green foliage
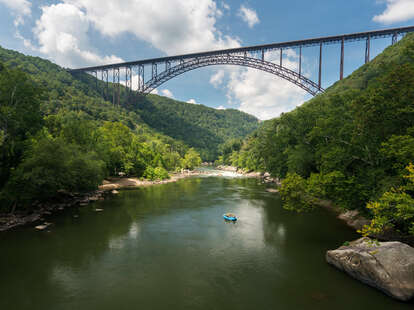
x: 394, y: 210
x: 49, y: 165
x: 158, y: 173
x: 350, y: 144
x: 161, y: 173
x: 71, y: 136
x: 399, y: 150
x: 191, y: 159
x: 294, y: 194
x: 206, y: 129
x: 179, y: 124
x: 333, y: 186
x: 20, y: 117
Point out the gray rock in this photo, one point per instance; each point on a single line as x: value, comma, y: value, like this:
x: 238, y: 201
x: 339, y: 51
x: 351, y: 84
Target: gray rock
x: 387, y: 266
x: 43, y: 226
x: 354, y: 219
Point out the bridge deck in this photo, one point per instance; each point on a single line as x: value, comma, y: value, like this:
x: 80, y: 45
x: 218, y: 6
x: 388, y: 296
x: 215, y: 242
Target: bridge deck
x: 258, y: 48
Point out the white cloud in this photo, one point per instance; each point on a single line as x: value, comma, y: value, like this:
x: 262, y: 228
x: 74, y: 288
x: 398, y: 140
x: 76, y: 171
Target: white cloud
x: 263, y: 94
x: 217, y: 78
x: 20, y: 8
x: 134, y: 80
x: 173, y: 26
x: 225, y: 6
x: 167, y: 93
x: 62, y: 34
x: 192, y: 101
x: 249, y: 16
x: 221, y: 108
x: 396, y: 11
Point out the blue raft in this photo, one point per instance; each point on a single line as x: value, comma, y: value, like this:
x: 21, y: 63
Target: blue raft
x: 229, y: 217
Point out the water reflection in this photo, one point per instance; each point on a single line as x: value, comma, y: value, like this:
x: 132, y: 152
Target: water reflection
x: 168, y: 247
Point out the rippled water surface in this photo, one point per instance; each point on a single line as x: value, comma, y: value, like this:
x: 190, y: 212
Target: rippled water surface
x: 168, y: 247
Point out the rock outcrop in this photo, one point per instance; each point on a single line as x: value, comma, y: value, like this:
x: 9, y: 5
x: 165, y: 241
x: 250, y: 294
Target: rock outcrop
x: 354, y: 219
x: 387, y: 266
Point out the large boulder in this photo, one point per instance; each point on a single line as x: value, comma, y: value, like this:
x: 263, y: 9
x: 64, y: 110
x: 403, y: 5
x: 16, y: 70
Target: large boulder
x: 387, y: 266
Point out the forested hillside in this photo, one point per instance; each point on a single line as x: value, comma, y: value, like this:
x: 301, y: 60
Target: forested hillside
x: 196, y: 125
x: 58, y: 133
x: 199, y: 126
x: 354, y: 144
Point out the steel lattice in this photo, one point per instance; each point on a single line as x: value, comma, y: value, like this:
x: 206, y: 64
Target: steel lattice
x: 299, y: 80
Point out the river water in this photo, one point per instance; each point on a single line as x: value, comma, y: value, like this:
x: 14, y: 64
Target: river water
x: 168, y: 247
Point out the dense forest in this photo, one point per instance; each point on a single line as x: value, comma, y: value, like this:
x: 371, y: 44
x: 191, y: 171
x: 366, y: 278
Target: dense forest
x: 58, y: 133
x: 195, y: 125
x: 353, y: 145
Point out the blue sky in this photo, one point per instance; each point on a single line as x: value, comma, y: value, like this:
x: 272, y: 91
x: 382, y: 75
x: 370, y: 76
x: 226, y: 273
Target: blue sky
x: 76, y: 33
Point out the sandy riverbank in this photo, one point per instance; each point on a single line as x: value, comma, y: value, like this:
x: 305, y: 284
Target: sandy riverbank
x: 126, y: 182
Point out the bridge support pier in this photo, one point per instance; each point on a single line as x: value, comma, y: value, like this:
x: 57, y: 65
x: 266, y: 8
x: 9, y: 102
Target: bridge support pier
x: 394, y: 38
x: 115, y: 85
x: 106, y: 79
x: 96, y: 80
x: 341, y: 70
x: 154, y: 70
x: 141, y: 78
x: 320, y: 66
x: 281, y: 56
x: 367, y: 49
x: 128, y: 79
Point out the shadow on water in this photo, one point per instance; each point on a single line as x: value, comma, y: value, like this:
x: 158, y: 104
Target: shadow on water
x: 168, y: 246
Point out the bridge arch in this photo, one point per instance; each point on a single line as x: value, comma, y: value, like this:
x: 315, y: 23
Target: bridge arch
x: 245, y: 61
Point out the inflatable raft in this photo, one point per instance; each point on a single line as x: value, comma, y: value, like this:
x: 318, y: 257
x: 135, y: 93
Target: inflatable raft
x: 229, y: 217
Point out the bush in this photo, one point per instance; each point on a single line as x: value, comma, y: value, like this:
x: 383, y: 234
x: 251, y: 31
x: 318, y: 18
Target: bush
x: 394, y: 210
x: 191, y: 159
x: 294, y: 194
x: 157, y: 173
x: 160, y: 173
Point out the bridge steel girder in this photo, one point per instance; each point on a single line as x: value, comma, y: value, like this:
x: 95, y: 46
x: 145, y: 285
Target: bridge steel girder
x: 199, y: 62
x: 360, y: 36
x: 235, y: 56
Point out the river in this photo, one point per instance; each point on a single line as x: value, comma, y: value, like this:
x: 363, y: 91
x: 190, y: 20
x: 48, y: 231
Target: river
x: 168, y: 247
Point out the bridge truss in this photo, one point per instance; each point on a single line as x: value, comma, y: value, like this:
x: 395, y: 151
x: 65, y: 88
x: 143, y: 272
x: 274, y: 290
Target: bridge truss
x: 251, y: 56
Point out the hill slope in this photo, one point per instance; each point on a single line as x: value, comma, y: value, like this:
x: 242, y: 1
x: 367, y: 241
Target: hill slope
x: 350, y: 144
x: 196, y: 125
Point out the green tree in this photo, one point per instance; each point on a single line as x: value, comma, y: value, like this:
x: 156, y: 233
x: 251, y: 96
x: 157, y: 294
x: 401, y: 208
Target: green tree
x: 394, y: 210
x: 191, y: 159
x: 20, y: 117
x: 50, y: 165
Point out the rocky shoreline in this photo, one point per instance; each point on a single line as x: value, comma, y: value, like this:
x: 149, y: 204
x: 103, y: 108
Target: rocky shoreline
x: 265, y: 176
x: 40, y: 211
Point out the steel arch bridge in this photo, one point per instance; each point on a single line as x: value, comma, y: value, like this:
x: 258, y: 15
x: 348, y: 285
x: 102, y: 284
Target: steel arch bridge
x: 199, y: 62
x: 251, y: 56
